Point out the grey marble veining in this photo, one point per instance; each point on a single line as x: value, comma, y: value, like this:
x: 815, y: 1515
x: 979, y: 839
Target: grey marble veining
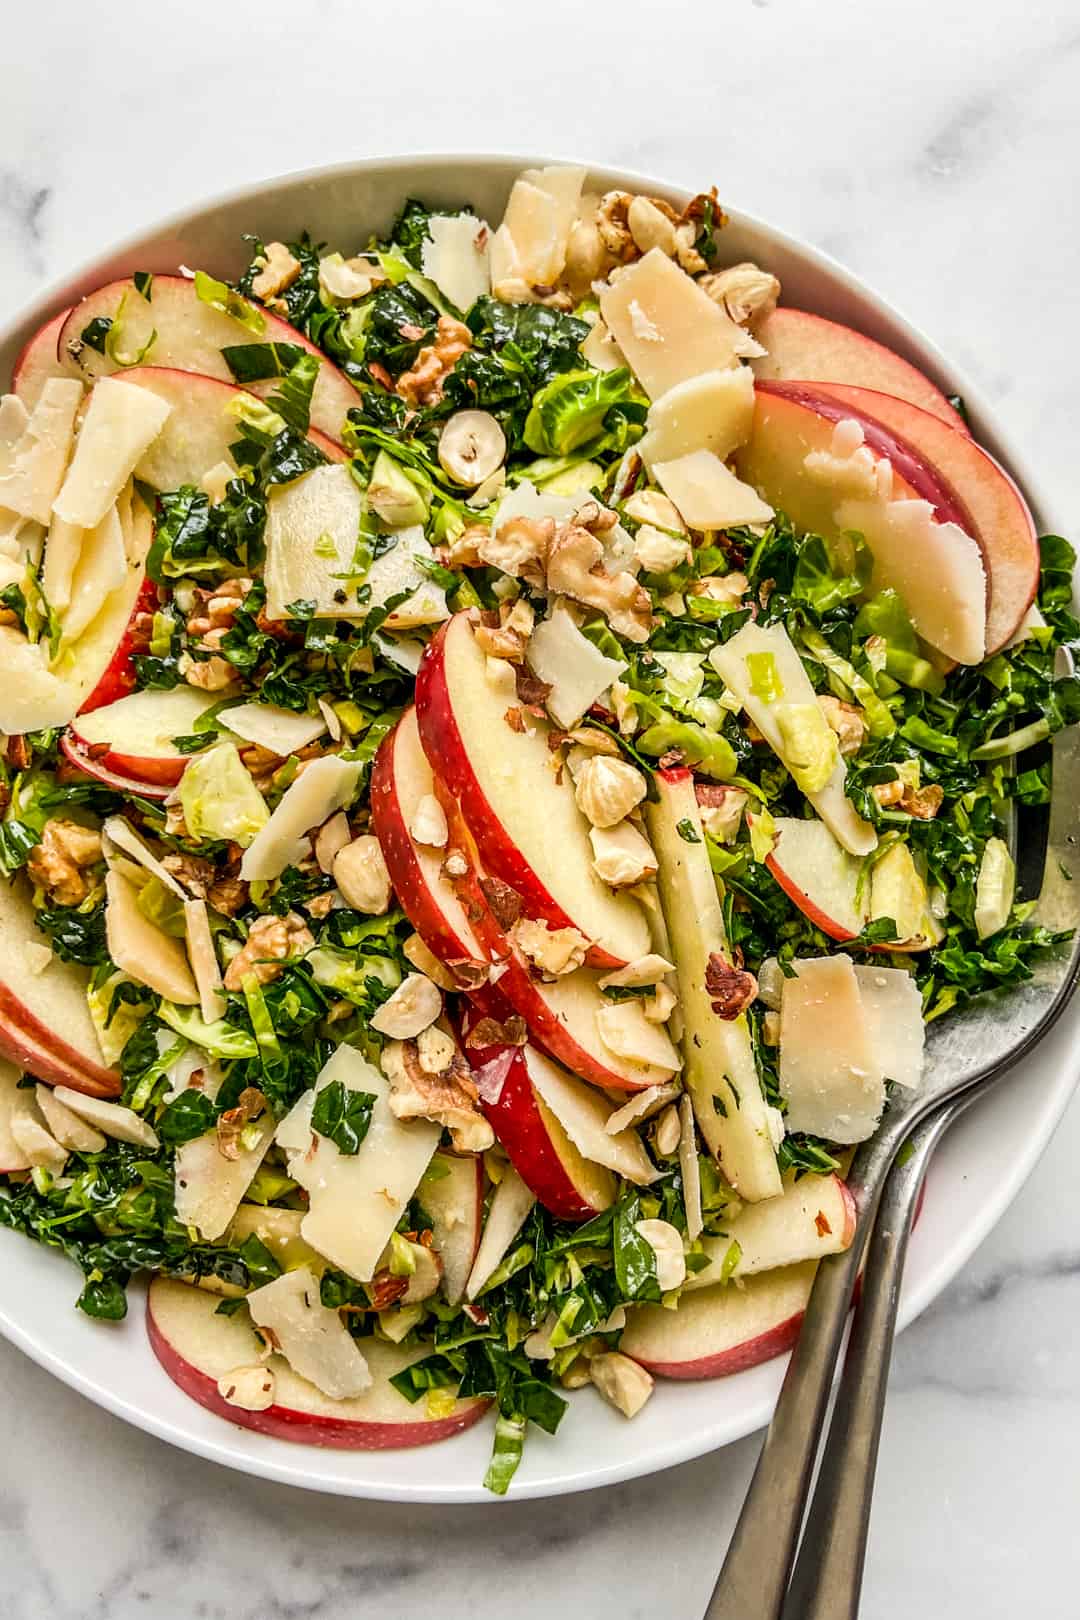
x: 935, y: 149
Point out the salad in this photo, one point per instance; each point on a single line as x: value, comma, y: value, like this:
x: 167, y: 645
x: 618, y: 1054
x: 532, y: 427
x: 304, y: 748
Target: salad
x: 509, y: 735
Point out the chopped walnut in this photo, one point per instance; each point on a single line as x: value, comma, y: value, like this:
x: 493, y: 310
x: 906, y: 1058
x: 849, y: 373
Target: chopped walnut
x: 269, y: 945
x: 613, y: 226
x: 921, y: 802
x: 59, y: 863
x: 552, y: 951
x: 261, y: 765
x: 720, y: 587
x: 17, y: 752
x: 423, y: 383
x: 463, y: 550
x: 214, y: 611
x: 228, y: 895
x: 211, y: 674
x: 845, y: 720
x: 192, y: 872
x: 232, y: 1123
x: 576, y: 569
x: 730, y: 989
x: 519, y: 546
x: 449, y: 1096
x: 278, y: 270
x: 501, y: 641
x: 745, y: 291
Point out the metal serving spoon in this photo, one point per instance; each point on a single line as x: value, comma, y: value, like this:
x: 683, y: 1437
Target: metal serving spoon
x: 964, y: 1052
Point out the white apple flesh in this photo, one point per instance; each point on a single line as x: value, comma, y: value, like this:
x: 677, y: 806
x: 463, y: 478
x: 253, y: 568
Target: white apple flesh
x: 190, y: 336
x: 38, y: 361
x: 196, y: 1348
x: 452, y: 1194
x: 721, y: 1330
x: 813, y: 1217
x: 133, y: 736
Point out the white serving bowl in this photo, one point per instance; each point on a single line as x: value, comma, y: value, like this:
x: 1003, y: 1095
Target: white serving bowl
x: 977, y: 1173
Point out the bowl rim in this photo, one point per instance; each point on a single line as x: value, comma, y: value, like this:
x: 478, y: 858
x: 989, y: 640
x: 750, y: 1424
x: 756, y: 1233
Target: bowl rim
x: 923, y: 352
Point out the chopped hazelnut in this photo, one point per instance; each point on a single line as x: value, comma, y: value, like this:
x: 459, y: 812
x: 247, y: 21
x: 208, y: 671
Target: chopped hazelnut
x: 360, y: 873
x: 554, y: 951
x: 623, y: 1382
x: 745, y: 291
x: 251, y: 1388
x: 622, y: 856
x: 428, y: 825
x: 608, y: 789
x: 415, y: 1004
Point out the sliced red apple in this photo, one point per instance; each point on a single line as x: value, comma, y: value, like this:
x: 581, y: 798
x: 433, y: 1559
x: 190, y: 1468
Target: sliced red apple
x: 511, y: 1204
x: 200, y: 428
x: 45, y: 1024
x: 819, y: 875
x: 721, y: 1330
x: 190, y: 336
x: 197, y: 1349
x: 1004, y: 527
x: 80, y: 760
x: 813, y: 1217
x: 38, y: 361
x: 521, y: 814
x: 923, y: 538
x: 563, y: 1014
x: 117, y: 679
x: 572, y: 1187
x: 807, y: 348
x: 133, y: 736
x: 400, y: 780
x: 12, y: 1154
x: 452, y: 1194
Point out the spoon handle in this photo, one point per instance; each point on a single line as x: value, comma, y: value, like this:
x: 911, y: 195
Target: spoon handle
x: 754, y: 1578
x: 827, y: 1582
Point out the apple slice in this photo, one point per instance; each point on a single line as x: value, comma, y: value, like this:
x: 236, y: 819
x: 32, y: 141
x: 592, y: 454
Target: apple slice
x: 720, y: 1330
x: 829, y: 479
x: 77, y: 756
x: 520, y: 813
x: 807, y: 348
x: 133, y: 736
x: 117, y: 678
x: 511, y: 1204
x: 12, y: 1154
x: 818, y: 874
x: 190, y: 336
x: 739, y: 1127
x: 452, y: 1194
x: 400, y: 779
x: 38, y: 361
x: 198, y: 1348
x: 1003, y: 525
x: 45, y: 1023
x: 564, y: 1015
x: 813, y: 1217
x: 572, y: 1187
x: 200, y: 427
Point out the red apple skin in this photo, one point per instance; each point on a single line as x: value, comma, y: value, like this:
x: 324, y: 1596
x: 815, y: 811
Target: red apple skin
x: 776, y: 1342
x: 517, y: 989
x: 800, y: 898
x: 161, y: 772
x: 118, y: 678
x: 96, y: 768
x: 922, y: 479
x: 25, y: 1041
x: 305, y: 1428
x: 418, y: 900
x: 519, y: 1127
x: 445, y: 749
x: 277, y: 330
x: 40, y: 357
x: 808, y: 348
x: 1003, y: 525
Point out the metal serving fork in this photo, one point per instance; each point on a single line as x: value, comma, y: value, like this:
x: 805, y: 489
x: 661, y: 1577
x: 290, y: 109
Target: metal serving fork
x: 964, y: 1053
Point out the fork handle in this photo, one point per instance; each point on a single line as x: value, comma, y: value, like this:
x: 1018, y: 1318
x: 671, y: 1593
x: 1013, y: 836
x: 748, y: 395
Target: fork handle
x: 827, y: 1582
x: 758, y: 1565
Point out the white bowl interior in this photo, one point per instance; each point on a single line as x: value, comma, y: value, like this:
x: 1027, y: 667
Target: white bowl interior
x: 980, y: 1168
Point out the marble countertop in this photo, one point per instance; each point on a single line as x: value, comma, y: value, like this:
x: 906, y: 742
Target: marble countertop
x: 930, y: 147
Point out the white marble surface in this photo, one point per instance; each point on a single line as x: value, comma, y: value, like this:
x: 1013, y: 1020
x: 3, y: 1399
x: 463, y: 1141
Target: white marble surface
x: 933, y: 147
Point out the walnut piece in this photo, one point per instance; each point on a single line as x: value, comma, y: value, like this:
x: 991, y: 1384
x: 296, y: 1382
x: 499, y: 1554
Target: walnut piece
x: 730, y: 989
x: 720, y: 587
x: 845, y: 720
x: 232, y: 1123
x: 269, y: 945
x: 211, y: 674
x: 721, y: 808
x: 519, y: 546
x: 278, y: 271
x: 59, y: 863
x: 576, y: 568
x: 192, y: 872
x: 553, y: 951
x: 423, y: 383
x: 360, y: 873
x: 608, y: 789
x: 921, y: 802
x: 448, y: 1096
x: 214, y: 612
x: 745, y: 291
